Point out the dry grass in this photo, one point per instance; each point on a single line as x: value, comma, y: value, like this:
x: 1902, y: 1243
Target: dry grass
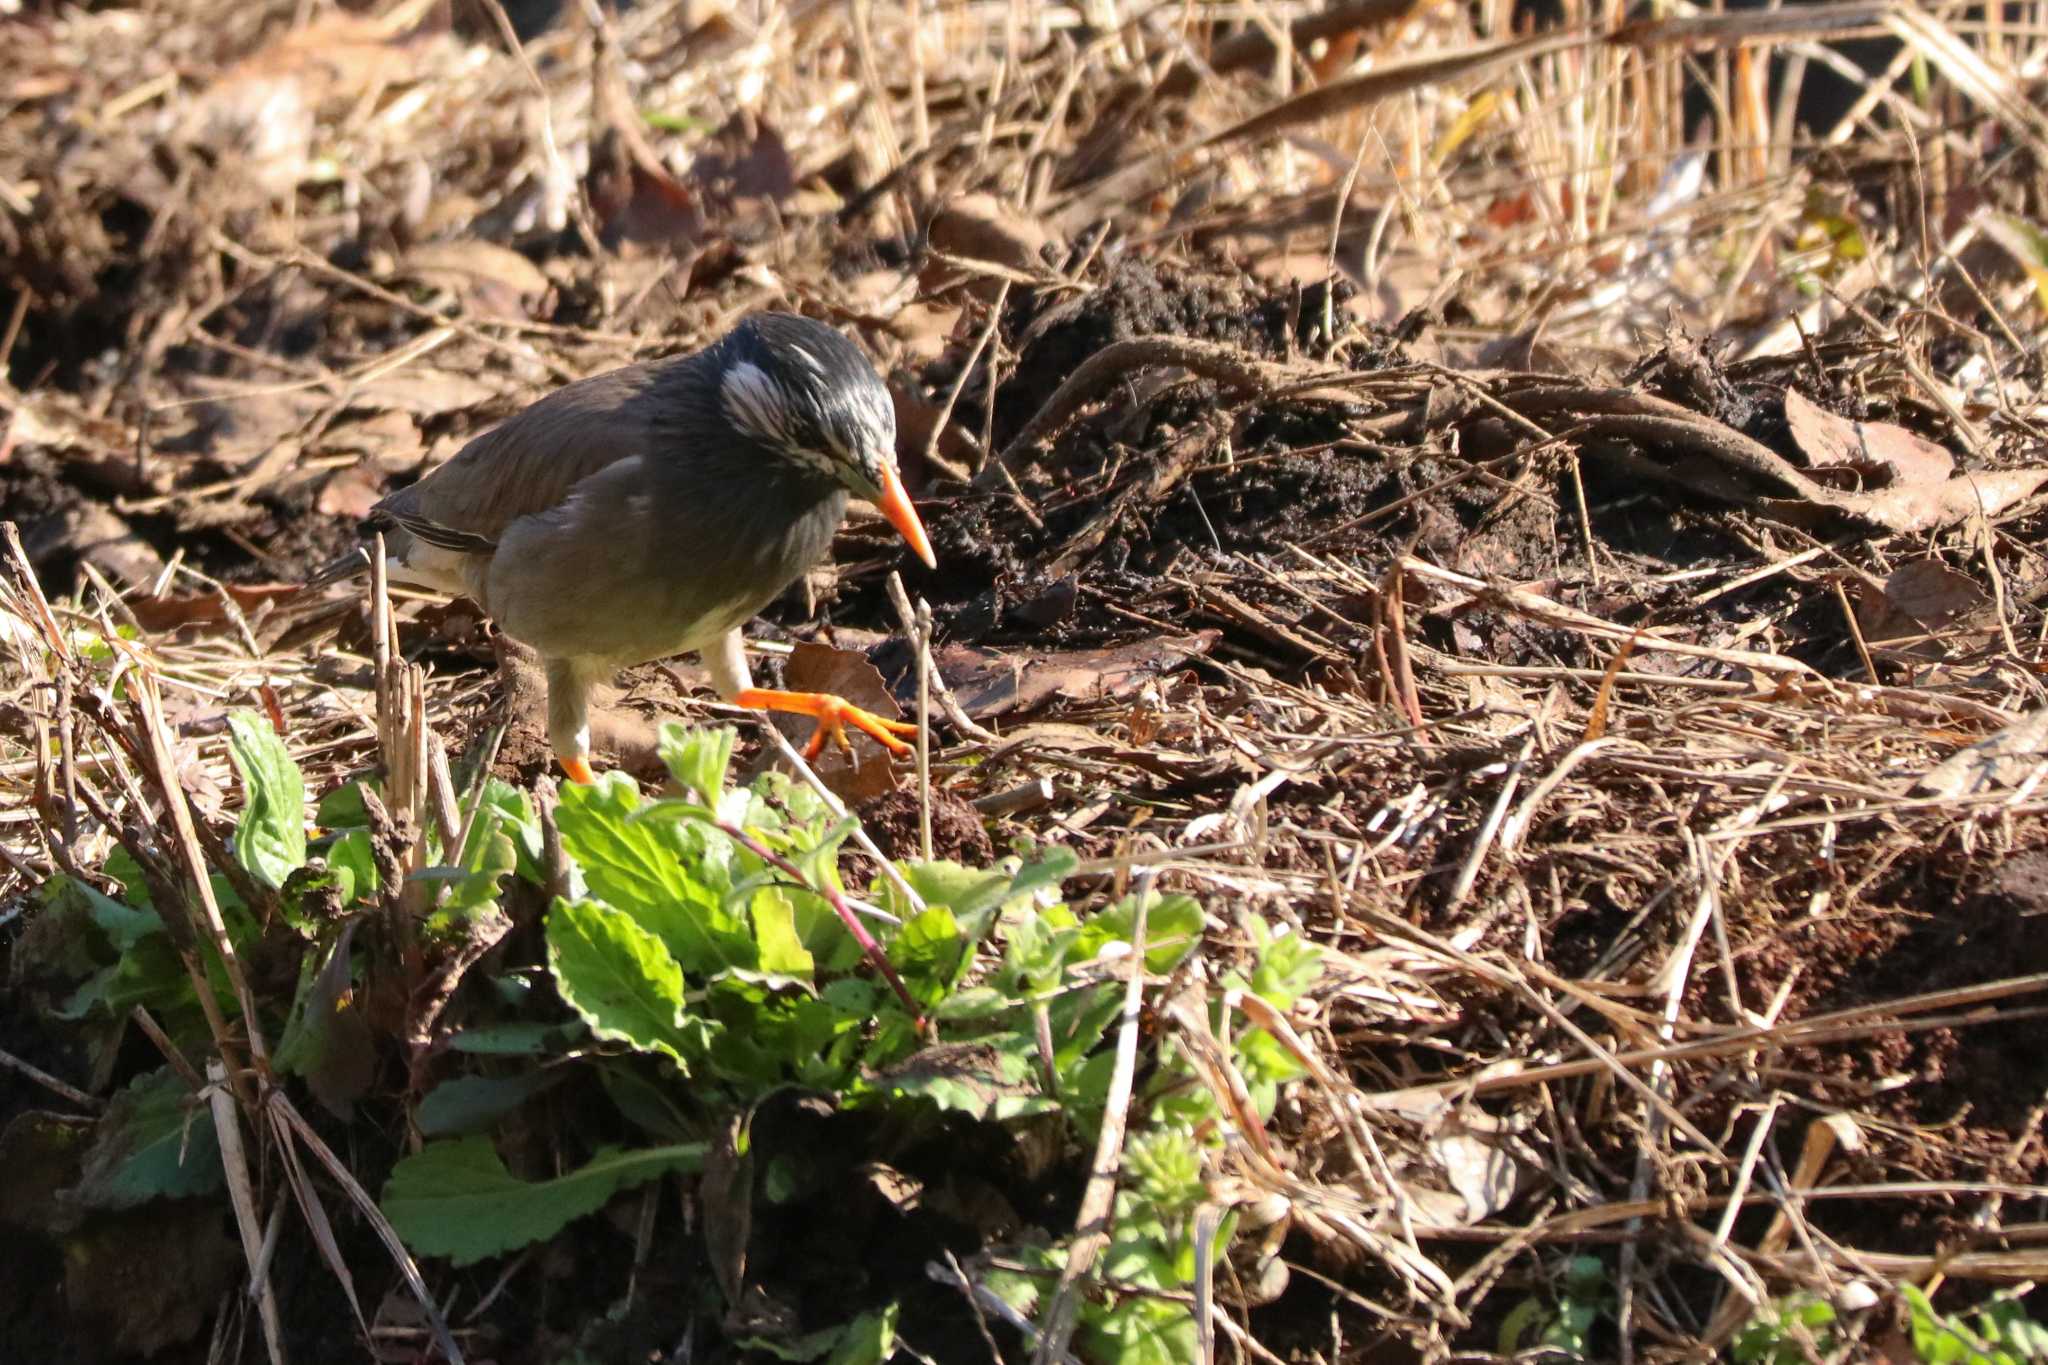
x: 1657, y: 924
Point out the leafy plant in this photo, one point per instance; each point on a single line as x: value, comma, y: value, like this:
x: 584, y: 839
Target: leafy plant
x: 1997, y: 1333
x: 701, y: 963
x: 704, y: 942
x: 1795, y: 1329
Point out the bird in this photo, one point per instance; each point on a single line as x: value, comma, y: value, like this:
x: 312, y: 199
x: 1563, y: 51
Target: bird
x: 652, y: 510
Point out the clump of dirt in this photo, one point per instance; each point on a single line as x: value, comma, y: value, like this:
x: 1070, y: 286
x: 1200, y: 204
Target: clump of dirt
x: 958, y: 834
x: 1053, y: 334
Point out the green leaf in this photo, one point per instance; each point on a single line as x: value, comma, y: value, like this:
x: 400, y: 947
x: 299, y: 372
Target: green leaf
x: 1166, y: 1166
x: 1173, y: 930
x: 1288, y: 965
x: 270, y: 838
x: 123, y: 925
x: 974, y: 894
x: 488, y: 858
x: 350, y: 857
x: 622, y: 980
x: 930, y: 953
x: 698, y: 759
x: 1139, y: 1331
x: 326, y: 1040
x: 473, y: 1104
x: 959, y: 888
x: 993, y: 1080
x: 869, y: 1339
x: 514, y: 1039
x: 782, y: 952
x: 151, y: 973
x: 343, y: 807
x: 1022, y: 1288
x: 511, y: 813
x: 1036, y: 949
x: 642, y: 1098
x: 639, y: 867
x: 456, y: 1199
x: 156, y: 1141
x: 675, y: 123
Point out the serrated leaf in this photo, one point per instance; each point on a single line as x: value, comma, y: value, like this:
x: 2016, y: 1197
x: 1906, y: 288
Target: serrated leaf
x: 638, y: 867
x: 270, y: 836
x: 456, y: 1199
x: 156, y: 1141
x: 622, y: 980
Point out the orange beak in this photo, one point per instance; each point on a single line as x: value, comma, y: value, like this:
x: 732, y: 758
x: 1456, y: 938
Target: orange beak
x: 895, y: 505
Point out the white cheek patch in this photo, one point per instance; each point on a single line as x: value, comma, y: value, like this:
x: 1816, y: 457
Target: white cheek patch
x: 816, y: 461
x: 876, y: 416
x: 756, y: 404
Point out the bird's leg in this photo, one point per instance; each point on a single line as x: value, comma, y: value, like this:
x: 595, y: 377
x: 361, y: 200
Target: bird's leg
x: 569, y: 717
x: 727, y: 663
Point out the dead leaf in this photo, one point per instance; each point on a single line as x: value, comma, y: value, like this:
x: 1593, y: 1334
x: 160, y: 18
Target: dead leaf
x: 635, y: 198
x: 844, y: 673
x: 93, y: 532
x: 493, y: 280
x: 1994, y: 764
x: 161, y: 614
x: 426, y: 392
x: 979, y: 227
x: 726, y: 1194
x: 259, y: 117
x: 916, y: 419
x: 745, y: 159
x: 1482, y: 1171
x: 1909, y: 508
x: 390, y: 440
x: 348, y: 493
x: 1878, y: 450
x: 1933, y: 594
x: 1396, y: 78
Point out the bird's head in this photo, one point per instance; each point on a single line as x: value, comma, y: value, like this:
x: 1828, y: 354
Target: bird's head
x: 808, y: 395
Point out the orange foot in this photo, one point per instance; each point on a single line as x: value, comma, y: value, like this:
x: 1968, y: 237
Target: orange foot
x: 578, y: 769
x: 833, y: 715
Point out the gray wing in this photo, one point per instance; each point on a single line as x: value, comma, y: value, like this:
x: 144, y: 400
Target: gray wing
x: 533, y: 460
